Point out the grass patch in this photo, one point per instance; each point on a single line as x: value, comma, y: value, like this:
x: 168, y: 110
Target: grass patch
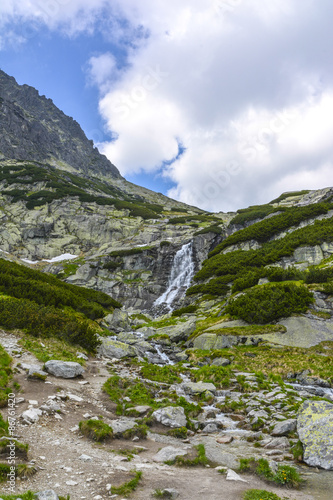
x: 189, y: 461
x: 5, y: 377
x: 52, y: 348
x: 169, y: 374
x: 260, y: 495
x: 271, y: 361
x: 96, y: 430
x: 127, y: 488
x: 284, y: 476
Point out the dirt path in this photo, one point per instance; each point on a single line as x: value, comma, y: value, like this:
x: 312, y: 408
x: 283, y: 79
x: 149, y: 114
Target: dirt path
x: 72, y: 464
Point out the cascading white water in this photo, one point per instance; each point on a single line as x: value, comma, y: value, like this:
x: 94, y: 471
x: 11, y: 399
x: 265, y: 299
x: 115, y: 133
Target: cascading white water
x: 180, y: 277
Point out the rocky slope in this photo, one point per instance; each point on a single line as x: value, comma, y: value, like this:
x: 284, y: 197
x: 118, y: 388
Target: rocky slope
x: 221, y: 352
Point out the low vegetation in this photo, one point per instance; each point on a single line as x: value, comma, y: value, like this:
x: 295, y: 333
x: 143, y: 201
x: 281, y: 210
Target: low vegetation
x: 284, y: 476
x: 260, y: 495
x: 96, y: 430
x: 267, y: 303
x: 128, y: 487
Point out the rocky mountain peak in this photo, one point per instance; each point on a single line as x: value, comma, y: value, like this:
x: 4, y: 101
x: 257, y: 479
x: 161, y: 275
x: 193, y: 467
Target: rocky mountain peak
x: 33, y: 128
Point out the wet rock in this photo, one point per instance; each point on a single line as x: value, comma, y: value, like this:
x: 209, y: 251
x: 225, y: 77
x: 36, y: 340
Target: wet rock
x: 210, y: 428
x: 315, y: 430
x: 64, y: 369
x: 171, y: 416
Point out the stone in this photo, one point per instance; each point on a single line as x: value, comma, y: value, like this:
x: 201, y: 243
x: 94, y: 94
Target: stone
x: 169, y: 453
x: 85, y: 458
x: 81, y: 355
x: 74, y: 397
x: 179, y: 332
x: 170, y: 493
x: 221, y: 362
x: 114, y: 349
x: 36, y: 374
x: 47, y: 495
x: 198, y: 387
x: 278, y: 443
x: 32, y: 415
x: 64, y: 369
x: 225, y: 440
x: 171, y: 416
x: 285, y: 427
x: 210, y: 428
x: 118, y: 320
x: 315, y: 431
x: 233, y: 476
x: 121, y: 425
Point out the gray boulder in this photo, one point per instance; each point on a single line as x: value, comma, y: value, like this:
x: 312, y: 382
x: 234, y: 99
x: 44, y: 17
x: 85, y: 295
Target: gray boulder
x: 315, y: 430
x: 168, y: 453
x: 285, y: 427
x: 64, y: 369
x: 178, y: 332
x: 171, y: 416
x: 47, y: 495
x: 114, y: 349
x: 36, y: 373
x: 118, y: 321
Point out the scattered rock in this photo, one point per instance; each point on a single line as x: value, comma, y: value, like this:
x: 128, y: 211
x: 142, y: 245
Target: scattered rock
x: 285, y: 427
x: 233, y: 476
x: 32, y: 415
x: 171, y: 416
x: 225, y: 440
x: 221, y: 362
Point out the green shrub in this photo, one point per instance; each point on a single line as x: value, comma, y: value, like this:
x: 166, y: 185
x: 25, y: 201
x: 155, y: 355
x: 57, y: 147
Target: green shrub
x: 168, y: 374
x: 210, y: 229
x: 268, y: 303
x: 39, y: 320
x: 184, y: 310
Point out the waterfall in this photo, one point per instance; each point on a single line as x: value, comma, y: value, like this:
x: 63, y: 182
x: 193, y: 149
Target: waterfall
x: 180, y: 277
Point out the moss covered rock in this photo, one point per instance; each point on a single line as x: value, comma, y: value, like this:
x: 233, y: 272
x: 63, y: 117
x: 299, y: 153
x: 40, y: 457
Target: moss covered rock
x: 315, y: 430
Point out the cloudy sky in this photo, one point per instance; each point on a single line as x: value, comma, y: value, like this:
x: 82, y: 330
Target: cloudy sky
x: 218, y: 103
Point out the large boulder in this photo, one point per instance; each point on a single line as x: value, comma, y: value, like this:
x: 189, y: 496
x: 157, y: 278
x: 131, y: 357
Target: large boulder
x: 315, y: 431
x: 111, y: 348
x: 171, y: 416
x: 118, y: 320
x: 64, y: 369
x: 182, y: 331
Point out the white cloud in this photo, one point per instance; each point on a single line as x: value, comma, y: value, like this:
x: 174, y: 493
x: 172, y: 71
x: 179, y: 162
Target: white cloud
x: 245, y: 86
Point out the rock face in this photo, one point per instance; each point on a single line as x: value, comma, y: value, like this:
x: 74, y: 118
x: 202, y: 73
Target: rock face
x: 171, y: 416
x: 64, y: 369
x: 315, y: 430
x: 33, y: 128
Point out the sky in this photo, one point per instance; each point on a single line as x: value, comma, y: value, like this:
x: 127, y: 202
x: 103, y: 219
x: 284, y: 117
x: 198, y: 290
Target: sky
x: 221, y: 104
